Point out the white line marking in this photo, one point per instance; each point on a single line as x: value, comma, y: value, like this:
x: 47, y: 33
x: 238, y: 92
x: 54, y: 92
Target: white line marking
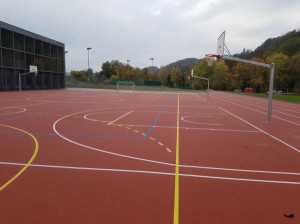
x: 119, y: 118
x: 184, y: 118
x: 201, y: 98
x: 156, y: 173
x: 16, y: 112
x: 238, y: 104
x: 170, y: 164
x: 257, y: 128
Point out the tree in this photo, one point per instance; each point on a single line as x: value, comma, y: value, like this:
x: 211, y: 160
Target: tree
x: 163, y: 76
x: 294, y: 67
x: 248, y: 75
x: 200, y: 70
x: 108, y: 69
x: 81, y: 75
x: 281, y: 76
x: 217, y: 73
x: 175, y: 76
x: 220, y: 76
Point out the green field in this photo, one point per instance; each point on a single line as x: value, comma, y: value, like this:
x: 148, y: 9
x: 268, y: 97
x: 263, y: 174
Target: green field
x: 282, y: 97
x: 71, y: 83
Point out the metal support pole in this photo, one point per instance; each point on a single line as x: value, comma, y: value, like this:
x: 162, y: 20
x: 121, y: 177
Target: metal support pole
x: 271, y: 84
x: 206, y: 79
x: 20, y: 80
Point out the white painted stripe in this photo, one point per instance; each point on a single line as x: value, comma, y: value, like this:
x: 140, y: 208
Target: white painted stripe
x: 119, y: 118
x: 238, y: 104
x: 257, y: 128
x: 156, y: 173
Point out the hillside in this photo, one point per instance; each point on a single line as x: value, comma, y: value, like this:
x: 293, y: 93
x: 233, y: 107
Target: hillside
x: 184, y: 64
x: 288, y: 44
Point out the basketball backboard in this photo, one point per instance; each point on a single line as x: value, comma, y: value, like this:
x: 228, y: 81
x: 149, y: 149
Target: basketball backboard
x: 33, y: 69
x: 221, y: 44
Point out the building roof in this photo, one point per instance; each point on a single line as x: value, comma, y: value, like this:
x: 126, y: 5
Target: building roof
x: 29, y: 34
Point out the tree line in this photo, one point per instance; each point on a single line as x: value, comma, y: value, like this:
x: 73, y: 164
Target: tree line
x: 283, y: 51
x: 223, y: 75
x: 228, y: 75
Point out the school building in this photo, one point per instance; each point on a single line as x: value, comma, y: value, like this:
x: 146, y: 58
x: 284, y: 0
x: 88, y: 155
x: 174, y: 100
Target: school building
x: 19, y: 49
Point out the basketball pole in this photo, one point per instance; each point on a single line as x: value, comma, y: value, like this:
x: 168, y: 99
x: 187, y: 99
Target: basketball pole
x: 271, y: 82
x: 198, y: 77
x: 20, y: 80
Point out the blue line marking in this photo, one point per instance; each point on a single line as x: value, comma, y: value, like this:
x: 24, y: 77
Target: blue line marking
x: 156, y: 119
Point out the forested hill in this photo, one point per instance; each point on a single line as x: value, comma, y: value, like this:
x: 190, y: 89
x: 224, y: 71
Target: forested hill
x: 184, y: 64
x: 288, y: 44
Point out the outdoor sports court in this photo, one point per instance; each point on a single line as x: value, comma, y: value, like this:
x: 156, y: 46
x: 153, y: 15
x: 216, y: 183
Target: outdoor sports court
x: 72, y: 156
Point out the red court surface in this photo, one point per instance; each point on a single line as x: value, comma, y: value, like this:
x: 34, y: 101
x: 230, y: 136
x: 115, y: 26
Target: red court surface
x: 73, y: 156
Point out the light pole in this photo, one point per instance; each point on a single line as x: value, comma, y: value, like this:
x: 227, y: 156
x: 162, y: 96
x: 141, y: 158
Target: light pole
x: 152, y: 61
x: 89, y: 48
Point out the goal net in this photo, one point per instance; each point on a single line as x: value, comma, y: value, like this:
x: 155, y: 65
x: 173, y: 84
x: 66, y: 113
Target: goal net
x: 126, y: 86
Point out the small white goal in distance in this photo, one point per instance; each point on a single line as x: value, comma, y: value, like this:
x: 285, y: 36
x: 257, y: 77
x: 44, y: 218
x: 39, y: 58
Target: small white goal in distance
x: 125, y: 85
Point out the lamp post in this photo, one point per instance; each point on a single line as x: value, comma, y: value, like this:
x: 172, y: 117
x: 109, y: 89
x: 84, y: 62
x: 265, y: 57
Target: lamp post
x: 89, y: 48
x: 152, y: 61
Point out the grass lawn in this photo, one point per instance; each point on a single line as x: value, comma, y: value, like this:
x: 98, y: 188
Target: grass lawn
x: 282, y: 97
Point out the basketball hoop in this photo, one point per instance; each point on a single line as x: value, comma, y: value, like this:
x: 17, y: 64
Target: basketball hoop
x: 210, y: 61
x: 217, y: 56
x: 211, y: 58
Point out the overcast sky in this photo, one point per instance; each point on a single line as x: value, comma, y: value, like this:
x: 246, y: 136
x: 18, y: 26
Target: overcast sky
x: 137, y: 30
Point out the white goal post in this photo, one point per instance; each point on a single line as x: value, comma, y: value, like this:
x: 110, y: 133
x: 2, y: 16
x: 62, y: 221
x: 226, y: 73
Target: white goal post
x: 125, y: 85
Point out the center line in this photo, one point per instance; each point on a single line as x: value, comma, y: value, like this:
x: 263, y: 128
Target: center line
x: 176, y: 191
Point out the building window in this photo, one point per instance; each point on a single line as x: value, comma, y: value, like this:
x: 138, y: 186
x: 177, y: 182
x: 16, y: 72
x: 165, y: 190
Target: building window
x: 0, y: 57
x: 39, y: 63
x: 38, y: 47
x: 53, y: 51
x: 60, y: 66
x: 46, y: 64
x: 60, y: 53
x: 18, y: 42
x: 8, y: 58
x: 29, y: 60
x: 7, y: 38
x: 19, y: 60
x: 53, y: 65
x: 46, y: 48
x: 29, y: 44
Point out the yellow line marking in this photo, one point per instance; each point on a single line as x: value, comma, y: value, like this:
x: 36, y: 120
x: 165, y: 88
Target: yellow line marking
x: 176, y: 190
x: 153, y: 139
x: 136, y: 131
x: 128, y: 128
x: 169, y: 150
x: 160, y: 144
x: 28, y: 163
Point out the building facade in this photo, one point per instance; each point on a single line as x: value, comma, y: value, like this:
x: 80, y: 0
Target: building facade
x: 19, y: 49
